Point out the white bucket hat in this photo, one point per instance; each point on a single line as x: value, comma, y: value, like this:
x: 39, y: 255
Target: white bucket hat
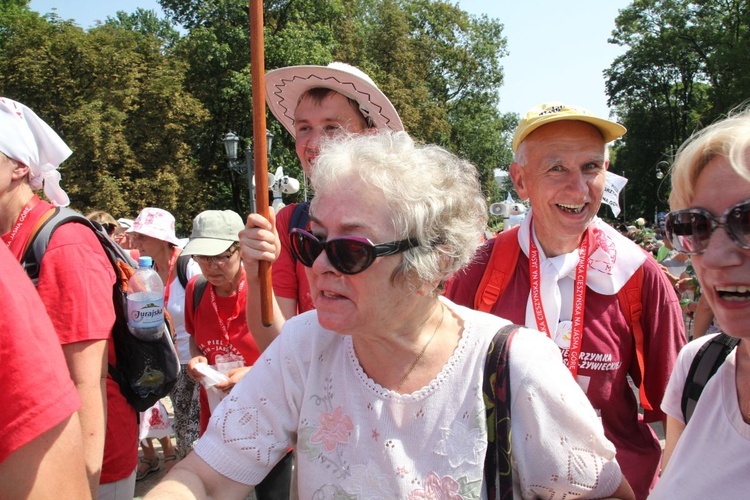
x: 214, y: 231
x: 284, y: 86
x: 157, y: 223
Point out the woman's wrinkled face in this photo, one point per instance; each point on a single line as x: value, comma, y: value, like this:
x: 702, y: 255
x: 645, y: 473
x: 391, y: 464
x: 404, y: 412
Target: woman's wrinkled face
x: 147, y: 245
x: 220, y: 270
x: 368, y: 303
x: 724, y: 268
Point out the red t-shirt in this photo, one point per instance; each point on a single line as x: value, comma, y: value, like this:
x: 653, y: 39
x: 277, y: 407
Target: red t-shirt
x: 607, y: 356
x: 287, y: 274
x: 75, y: 284
x: 203, y: 324
x: 36, y: 386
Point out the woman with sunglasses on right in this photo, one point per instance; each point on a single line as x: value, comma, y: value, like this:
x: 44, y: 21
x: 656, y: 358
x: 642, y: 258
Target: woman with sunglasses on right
x: 710, y: 456
x: 379, y: 388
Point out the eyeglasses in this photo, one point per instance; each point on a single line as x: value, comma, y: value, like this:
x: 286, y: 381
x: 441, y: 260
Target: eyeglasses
x: 219, y: 260
x: 349, y: 255
x: 690, y: 230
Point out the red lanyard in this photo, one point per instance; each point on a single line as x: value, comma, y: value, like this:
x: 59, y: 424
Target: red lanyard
x: 172, y: 260
x: 19, y: 222
x: 579, y: 298
x: 238, y: 308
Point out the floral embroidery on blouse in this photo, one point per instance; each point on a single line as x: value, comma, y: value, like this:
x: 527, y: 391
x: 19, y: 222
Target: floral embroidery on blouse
x: 335, y: 428
x: 435, y: 487
x: 460, y: 444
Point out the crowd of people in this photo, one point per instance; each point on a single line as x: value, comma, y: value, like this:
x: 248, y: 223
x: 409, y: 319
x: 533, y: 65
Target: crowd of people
x: 370, y: 381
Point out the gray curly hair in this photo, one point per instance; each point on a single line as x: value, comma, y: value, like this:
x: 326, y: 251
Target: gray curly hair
x: 432, y: 196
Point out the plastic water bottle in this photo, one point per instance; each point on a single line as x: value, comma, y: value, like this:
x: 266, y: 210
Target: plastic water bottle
x: 146, y: 302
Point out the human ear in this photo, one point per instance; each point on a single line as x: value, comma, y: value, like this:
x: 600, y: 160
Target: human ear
x: 516, y: 172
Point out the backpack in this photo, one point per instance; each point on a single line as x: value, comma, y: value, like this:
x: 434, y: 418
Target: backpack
x: 300, y: 216
x: 198, y: 290
x: 502, y: 265
x: 200, y: 282
x: 181, y: 268
x: 707, y: 360
x: 145, y: 371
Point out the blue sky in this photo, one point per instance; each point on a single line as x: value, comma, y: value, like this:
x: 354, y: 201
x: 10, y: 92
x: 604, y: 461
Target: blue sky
x: 558, y: 49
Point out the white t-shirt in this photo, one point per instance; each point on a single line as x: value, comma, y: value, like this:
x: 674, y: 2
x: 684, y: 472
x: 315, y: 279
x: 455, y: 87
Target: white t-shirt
x: 176, y: 309
x: 355, y: 439
x: 712, y: 457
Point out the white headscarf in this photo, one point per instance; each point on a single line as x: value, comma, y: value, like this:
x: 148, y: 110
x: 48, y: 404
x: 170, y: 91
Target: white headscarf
x: 26, y: 138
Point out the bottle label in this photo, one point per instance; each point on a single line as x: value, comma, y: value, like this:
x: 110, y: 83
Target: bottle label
x: 145, y: 310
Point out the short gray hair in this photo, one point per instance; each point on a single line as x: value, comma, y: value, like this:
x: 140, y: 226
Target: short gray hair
x: 432, y: 196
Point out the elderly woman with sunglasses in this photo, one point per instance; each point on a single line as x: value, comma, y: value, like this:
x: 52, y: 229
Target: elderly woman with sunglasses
x: 379, y: 388
x: 708, y: 456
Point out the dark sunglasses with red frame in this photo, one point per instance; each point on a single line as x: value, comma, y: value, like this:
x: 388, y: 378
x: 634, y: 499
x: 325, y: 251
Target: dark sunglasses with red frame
x: 348, y: 255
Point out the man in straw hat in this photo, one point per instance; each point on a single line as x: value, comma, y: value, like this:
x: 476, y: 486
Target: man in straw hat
x: 313, y: 103
x: 75, y: 284
x: 561, y: 159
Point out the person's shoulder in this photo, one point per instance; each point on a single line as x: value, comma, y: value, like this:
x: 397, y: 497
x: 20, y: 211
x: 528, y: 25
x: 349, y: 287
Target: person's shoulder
x: 284, y: 216
x: 650, y: 265
x: 74, y: 232
x: 75, y: 238
x: 474, y: 269
x: 690, y: 349
x: 654, y: 277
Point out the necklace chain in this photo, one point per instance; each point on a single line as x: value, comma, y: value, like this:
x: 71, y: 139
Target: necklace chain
x: 421, y: 353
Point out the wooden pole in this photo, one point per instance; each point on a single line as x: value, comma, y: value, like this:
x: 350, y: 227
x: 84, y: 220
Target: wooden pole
x: 260, y: 149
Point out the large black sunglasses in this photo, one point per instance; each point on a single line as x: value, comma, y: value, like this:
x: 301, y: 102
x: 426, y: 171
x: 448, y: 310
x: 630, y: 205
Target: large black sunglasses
x: 348, y: 255
x: 689, y: 230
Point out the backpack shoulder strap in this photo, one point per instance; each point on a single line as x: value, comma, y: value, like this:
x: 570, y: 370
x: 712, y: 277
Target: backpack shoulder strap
x: 707, y: 360
x: 198, y: 290
x: 499, y: 269
x: 498, y: 470
x: 181, y: 267
x: 41, y: 235
x: 300, y: 216
x: 47, y: 225
x: 631, y: 305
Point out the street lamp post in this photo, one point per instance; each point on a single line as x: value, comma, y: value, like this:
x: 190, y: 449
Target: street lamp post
x: 231, y: 142
x: 661, y: 169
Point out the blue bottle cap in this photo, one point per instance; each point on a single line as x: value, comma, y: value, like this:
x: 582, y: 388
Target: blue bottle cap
x: 145, y: 262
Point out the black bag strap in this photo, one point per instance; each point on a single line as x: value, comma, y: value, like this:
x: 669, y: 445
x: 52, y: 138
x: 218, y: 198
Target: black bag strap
x: 707, y: 360
x: 198, y: 290
x: 300, y: 216
x: 299, y: 219
x: 182, y: 264
x: 498, y: 469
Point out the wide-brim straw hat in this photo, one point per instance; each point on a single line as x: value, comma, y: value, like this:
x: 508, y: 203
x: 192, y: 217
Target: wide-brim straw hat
x: 284, y: 86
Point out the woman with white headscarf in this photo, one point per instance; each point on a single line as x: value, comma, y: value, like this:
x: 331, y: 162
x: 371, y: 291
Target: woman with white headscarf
x: 75, y: 284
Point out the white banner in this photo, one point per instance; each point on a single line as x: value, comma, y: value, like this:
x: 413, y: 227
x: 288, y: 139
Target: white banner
x: 612, y: 187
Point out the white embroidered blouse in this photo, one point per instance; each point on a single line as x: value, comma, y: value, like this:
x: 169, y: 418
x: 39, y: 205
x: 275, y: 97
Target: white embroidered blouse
x: 355, y: 439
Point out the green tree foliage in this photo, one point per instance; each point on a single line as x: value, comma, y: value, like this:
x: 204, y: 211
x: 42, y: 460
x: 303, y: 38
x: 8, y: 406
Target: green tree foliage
x: 686, y: 65
x: 119, y: 103
x: 145, y: 99
x: 438, y: 65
